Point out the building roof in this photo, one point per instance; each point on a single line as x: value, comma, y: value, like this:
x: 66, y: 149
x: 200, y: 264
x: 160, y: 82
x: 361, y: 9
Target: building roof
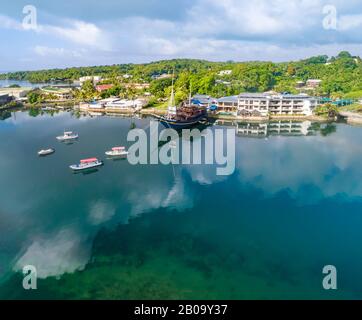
x: 254, y: 95
x: 103, y: 87
x: 228, y: 99
x: 274, y: 96
x: 202, y: 99
x: 296, y: 96
x: 201, y: 96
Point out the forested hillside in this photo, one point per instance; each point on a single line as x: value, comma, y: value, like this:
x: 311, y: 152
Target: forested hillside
x: 340, y: 75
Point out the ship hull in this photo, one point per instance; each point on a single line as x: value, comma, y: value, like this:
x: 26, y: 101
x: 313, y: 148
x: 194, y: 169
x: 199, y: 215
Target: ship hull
x: 178, y: 124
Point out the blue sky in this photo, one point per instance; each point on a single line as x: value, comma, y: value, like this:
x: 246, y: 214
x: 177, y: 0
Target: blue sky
x: 80, y: 33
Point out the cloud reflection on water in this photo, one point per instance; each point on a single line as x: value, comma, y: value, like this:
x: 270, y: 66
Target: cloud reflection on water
x: 311, y: 168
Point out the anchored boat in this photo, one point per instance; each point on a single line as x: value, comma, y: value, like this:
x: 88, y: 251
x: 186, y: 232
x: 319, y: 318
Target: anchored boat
x: 67, y: 136
x: 46, y: 152
x: 86, y: 164
x: 117, y: 152
x: 188, y: 114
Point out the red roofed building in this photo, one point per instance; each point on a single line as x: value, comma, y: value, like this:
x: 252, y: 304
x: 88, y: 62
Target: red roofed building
x: 103, y: 87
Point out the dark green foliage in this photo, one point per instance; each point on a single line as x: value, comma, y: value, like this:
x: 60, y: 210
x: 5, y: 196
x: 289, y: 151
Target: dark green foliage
x: 340, y: 75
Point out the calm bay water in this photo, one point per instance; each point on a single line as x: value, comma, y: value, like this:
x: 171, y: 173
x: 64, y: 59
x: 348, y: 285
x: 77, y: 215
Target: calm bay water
x: 293, y: 205
x: 24, y: 83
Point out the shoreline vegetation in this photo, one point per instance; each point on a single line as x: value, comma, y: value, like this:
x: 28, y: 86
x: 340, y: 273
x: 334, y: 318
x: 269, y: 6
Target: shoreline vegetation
x: 336, y: 81
x: 351, y: 117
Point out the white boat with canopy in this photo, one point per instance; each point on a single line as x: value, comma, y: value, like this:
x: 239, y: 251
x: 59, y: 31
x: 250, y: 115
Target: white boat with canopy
x: 86, y: 164
x: 117, y: 152
x: 68, y: 135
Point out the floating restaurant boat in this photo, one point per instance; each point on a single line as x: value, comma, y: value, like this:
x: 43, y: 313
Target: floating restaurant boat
x: 68, y: 135
x: 188, y: 114
x: 46, y: 152
x: 117, y: 152
x: 86, y: 164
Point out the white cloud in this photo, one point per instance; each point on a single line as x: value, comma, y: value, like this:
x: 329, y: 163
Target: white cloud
x: 161, y: 196
x: 58, y: 52
x: 9, y: 23
x: 101, y: 211
x: 350, y: 22
x: 275, y: 30
x: 79, y: 32
x: 63, y: 253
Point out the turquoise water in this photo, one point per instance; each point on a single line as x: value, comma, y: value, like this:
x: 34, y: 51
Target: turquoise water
x: 292, y: 206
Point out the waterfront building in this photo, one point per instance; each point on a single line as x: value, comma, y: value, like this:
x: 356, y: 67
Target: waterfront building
x: 92, y: 106
x: 228, y: 104
x: 256, y: 104
x: 263, y: 104
x: 103, y: 87
x: 94, y: 79
x: 113, y: 105
x: 125, y: 104
x: 16, y: 93
x: 59, y: 93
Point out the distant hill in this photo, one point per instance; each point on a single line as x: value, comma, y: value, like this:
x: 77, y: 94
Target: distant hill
x: 340, y: 75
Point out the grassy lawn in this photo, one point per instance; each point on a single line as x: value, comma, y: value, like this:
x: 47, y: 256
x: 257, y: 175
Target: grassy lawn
x: 161, y: 106
x: 356, y: 107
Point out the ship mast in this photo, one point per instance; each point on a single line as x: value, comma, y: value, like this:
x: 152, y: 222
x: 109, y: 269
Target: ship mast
x: 172, y: 91
x: 190, y: 93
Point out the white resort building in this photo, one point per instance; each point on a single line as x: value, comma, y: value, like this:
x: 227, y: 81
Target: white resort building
x: 113, y: 105
x: 94, y: 79
x: 124, y: 104
x: 228, y: 104
x: 262, y: 104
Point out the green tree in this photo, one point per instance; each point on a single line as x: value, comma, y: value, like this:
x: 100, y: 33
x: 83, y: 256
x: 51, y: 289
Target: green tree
x: 344, y: 54
x: 88, y: 90
x: 34, y: 97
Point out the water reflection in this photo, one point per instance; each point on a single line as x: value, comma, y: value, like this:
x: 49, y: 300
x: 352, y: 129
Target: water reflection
x: 278, y: 128
x: 5, y: 115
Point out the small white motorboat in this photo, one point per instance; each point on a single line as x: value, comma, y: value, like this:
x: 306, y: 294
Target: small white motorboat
x: 67, y: 136
x: 86, y: 164
x: 117, y: 152
x: 46, y: 152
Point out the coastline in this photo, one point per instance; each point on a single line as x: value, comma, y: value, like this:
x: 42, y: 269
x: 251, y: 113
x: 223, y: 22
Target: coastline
x: 352, y: 118
x: 154, y: 111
